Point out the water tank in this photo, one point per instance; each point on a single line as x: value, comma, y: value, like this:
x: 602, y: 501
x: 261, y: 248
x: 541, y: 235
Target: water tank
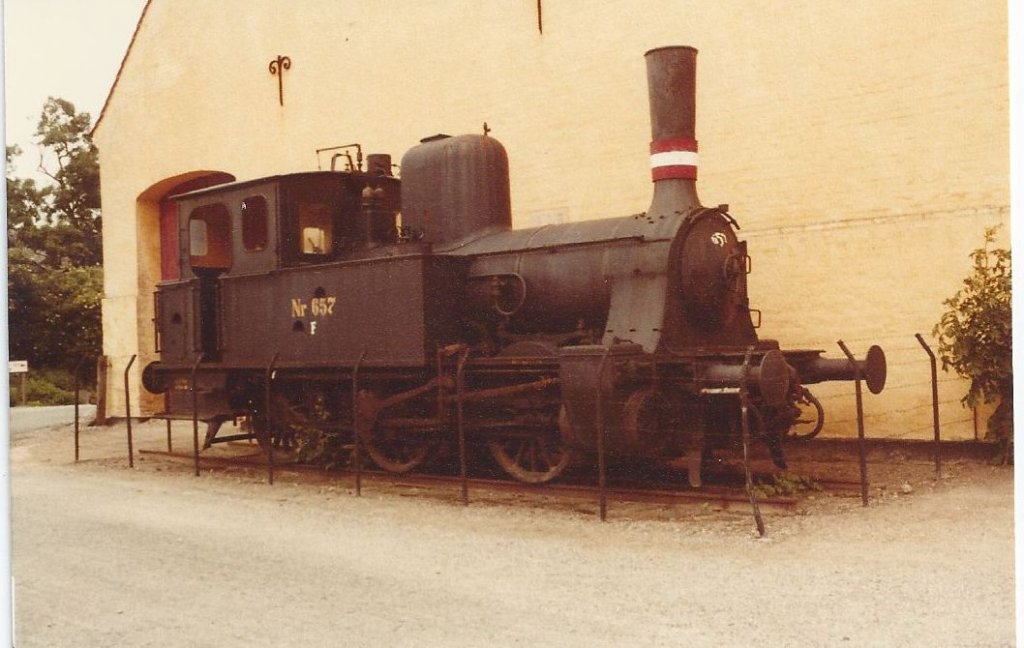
x: 455, y: 188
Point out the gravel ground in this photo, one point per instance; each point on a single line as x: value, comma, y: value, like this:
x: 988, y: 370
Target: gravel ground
x: 108, y: 556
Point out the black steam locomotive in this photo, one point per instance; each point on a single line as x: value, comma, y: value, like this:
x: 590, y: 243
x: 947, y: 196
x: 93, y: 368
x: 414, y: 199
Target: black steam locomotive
x: 407, y: 309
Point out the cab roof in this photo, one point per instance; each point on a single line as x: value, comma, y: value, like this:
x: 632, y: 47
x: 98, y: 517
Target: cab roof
x: 230, y: 186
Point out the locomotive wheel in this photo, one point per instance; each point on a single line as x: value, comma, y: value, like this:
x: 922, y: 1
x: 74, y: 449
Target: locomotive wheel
x: 280, y: 440
x: 286, y: 420
x: 532, y: 458
x: 394, y: 451
x: 811, y: 419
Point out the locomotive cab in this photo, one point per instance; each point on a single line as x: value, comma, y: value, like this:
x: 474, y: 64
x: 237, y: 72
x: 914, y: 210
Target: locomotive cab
x: 232, y: 233
x: 284, y: 221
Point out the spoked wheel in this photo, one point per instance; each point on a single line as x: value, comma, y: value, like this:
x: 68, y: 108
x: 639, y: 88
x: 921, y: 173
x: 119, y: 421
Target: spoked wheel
x: 811, y: 418
x: 532, y: 458
x: 280, y: 441
x: 393, y: 450
x: 286, y: 421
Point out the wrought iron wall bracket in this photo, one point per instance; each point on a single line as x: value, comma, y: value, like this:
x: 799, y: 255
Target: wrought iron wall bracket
x: 277, y: 68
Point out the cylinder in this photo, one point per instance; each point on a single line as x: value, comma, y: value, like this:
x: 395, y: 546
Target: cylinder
x: 770, y: 377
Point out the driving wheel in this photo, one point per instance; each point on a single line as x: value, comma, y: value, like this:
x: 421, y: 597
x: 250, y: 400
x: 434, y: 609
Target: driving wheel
x: 534, y: 458
x: 392, y: 448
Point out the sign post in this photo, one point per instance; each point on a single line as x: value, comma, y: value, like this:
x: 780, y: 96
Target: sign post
x: 19, y: 367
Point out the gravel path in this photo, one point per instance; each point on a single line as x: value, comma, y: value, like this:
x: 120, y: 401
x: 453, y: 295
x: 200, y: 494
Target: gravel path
x: 108, y: 556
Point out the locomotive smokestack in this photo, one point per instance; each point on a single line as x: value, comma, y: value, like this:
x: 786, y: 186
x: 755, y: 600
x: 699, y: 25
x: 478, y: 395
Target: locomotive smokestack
x: 672, y: 88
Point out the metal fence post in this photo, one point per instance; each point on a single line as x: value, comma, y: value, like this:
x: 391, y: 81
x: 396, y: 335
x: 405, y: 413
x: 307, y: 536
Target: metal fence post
x: 128, y: 410
x: 935, y: 404
x: 102, y: 363
x: 459, y: 389
x: 745, y: 422
x: 268, y: 419
x: 860, y: 424
x: 358, y: 457
x: 602, y: 484
x: 195, y: 413
x: 78, y: 371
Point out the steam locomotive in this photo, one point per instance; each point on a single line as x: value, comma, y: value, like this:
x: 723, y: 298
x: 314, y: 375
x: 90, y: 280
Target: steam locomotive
x: 403, y: 310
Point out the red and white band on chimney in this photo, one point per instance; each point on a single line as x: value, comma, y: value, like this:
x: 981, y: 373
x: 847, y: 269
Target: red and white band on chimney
x: 674, y: 158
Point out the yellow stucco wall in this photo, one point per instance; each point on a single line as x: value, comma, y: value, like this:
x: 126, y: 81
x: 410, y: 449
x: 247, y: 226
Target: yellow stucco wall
x: 862, y: 146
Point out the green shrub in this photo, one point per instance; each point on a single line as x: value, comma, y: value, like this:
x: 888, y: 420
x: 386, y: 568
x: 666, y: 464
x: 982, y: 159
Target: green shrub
x: 785, y: 483
x: 327, y: 449
x: 48, y: 387
x: 975, y: 335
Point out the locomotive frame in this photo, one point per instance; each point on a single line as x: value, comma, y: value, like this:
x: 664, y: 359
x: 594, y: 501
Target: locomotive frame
x: 634, y: 333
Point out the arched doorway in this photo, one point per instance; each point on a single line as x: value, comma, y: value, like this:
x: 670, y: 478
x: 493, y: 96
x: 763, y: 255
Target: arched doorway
x: 158, y: 254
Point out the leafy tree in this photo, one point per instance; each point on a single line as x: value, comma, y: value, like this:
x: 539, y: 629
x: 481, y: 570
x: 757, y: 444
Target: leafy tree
x: 54, y: 279
x: 72, y: 206
x: 976, y: 337
x: 54, y: 313
x: 24, y: 199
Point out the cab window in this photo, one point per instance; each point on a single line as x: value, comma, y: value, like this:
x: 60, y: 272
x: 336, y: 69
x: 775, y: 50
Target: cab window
x: 254, y: 223
x: 319, y: 215
x: 209, y: 237
x: 315, y: 227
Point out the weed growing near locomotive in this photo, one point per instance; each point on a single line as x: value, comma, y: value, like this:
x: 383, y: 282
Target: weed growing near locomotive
x: 400, y: 312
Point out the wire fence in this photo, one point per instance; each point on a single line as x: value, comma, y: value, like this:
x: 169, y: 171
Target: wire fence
x: 903, y: 410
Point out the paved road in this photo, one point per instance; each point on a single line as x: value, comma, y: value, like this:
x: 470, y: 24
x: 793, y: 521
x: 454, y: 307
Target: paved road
x: 26, y: 419
x: 108, y: 556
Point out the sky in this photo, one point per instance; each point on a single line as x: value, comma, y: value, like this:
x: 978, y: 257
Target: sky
x: 61, y: 48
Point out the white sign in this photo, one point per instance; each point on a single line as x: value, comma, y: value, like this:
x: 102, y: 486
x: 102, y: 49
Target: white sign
x: 17, y: 366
